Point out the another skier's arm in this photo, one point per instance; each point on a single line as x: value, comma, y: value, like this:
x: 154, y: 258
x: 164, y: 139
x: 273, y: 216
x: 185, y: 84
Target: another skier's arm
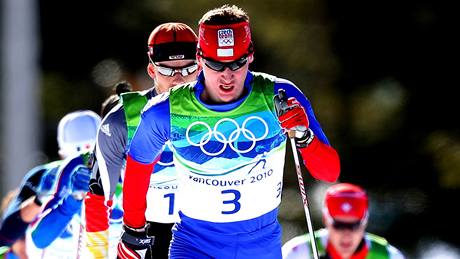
x: 145, y: 149
x: 110, y: 152
x: 54, y: 220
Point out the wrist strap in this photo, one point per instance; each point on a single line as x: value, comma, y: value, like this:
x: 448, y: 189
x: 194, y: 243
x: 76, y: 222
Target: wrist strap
x: 304, y: 141
x: 137, y: 241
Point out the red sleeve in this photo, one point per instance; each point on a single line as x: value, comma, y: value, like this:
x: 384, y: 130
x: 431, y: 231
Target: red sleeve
x: 321, y: 160
x: 135, y: 187
x: 96, y: 212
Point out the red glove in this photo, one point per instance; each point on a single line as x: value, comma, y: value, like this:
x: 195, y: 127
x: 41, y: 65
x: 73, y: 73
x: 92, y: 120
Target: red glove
x: 294, y: 118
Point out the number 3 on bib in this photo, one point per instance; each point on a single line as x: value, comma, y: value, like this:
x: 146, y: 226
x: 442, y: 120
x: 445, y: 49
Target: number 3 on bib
x: 234, y: 201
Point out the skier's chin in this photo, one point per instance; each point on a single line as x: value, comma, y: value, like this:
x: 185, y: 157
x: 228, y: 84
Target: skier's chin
x: 346, y: 247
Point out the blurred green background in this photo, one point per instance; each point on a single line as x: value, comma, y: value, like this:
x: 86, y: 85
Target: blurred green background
x: 378, y: 73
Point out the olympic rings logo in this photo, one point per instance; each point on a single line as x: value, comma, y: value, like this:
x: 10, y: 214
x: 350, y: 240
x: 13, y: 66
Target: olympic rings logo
x: 232, y: 138
x: 227, y: 41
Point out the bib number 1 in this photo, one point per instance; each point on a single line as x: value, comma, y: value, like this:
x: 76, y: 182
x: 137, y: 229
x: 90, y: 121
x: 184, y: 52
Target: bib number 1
x: 171, y: 202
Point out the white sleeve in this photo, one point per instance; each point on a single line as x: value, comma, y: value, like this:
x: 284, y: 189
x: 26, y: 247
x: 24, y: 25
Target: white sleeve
x: 111, y: 149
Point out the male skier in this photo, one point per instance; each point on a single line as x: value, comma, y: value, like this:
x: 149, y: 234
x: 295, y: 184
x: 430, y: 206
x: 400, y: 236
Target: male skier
x: 228, y: 145
x: 172, y: 61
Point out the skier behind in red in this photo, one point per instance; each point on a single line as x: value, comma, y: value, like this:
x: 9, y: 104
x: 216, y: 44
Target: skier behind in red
x: 345, y: 215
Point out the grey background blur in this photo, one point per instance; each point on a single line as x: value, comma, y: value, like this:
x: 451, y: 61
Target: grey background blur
x: 378, y: 75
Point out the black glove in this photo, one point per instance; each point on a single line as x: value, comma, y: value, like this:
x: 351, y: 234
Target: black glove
x: 134, y: 243
x: 95, y: 185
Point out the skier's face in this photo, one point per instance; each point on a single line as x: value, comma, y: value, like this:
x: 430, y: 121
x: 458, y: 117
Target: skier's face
x: 226, y: 85
x: 345, y: 234
x: 171, y: 73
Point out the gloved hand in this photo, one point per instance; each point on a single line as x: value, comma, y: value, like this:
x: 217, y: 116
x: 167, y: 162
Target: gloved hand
x: 44, y: 188
x: 293, y: 117
x: 79, y: 181
x: 95, y: 185
x: 134, y: 243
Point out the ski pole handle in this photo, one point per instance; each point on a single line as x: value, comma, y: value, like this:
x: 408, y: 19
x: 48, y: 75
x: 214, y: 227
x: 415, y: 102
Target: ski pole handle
x: 280, y: 101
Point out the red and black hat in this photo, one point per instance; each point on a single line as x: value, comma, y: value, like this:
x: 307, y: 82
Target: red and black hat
x: 172, y: 41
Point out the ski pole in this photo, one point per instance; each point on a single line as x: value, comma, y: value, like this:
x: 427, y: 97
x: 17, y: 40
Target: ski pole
x: 281, y: 107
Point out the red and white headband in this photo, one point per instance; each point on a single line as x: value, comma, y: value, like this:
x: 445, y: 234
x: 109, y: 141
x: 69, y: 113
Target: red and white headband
x: 225, y: 42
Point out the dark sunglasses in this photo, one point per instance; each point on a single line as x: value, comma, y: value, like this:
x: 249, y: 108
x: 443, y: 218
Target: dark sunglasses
x: 339, y: 225
x: 220, y: 66
x: 171, y: 71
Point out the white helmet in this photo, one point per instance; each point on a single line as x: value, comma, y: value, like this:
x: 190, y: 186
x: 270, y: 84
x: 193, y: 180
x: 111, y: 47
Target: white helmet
x: 77, y: 132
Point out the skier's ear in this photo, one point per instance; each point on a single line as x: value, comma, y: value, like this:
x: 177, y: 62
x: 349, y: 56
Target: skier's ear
x: 250, y: 58
x: 151, y: 70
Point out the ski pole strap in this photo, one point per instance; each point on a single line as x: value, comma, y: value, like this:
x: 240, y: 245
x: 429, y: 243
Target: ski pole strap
x: 136, y: 238
x: 305, y: 141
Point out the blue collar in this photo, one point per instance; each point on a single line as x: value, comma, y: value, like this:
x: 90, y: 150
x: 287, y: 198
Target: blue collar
x: 199, y: 87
